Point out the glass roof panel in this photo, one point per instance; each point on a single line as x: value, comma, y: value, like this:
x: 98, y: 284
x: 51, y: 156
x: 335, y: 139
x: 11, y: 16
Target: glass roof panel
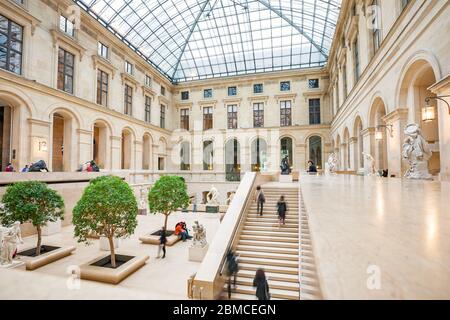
x: 197, y: 39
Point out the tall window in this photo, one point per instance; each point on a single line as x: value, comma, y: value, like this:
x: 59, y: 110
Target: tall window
x: 315, y: 150
x: 148, y: 109
x: 102, y: 88
x: 376, y: 32
x: 163, y: 91
x: 128, y: 100
x: 232, y: 91
x: 184, y: 95
x: 129, y: 67
x: 232, y: 116
x: 162, y: 117
x: 207, y: 93
x: 344, y: 80
x: 184, y: 119
x: 11, y: 35
x: 285, y: 113
x: 356, y: 59
x: 207, y: 118
x: 258, y: 115
x: 285, y: 86
x: 148, y: 81
x: 103, y: 50
x: 258, y: 88
x: 66, y: 26
x: 208, y: 155
x: 185, y: 156
x: 314, y: 111
x: 65, y: 70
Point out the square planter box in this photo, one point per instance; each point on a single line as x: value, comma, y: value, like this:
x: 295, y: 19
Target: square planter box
x: 150, y: 238
x: 104, y: 243
x: 93, y: 270
x: 49, y: 254
x: 197, y: 253
x: 51, y: 228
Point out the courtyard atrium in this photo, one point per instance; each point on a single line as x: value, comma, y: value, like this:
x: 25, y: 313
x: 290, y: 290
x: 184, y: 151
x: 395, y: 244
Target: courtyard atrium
x: 224, y: 149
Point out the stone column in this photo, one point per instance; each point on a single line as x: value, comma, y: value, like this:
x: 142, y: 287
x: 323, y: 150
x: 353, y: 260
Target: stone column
x: 302, y: 156
x: 246, y: 158
x: 353, y: 159
x: 136, y: 163
x: 40, y: 133
x: 116, y: 156
x: 398, y: 119
x: 84, y: 138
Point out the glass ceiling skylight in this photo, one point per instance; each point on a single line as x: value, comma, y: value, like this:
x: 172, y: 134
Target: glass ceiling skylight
x: 199, y: 39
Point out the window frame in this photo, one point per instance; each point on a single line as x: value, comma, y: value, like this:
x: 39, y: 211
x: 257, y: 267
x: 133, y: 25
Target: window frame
x: 235, y: 91
x: 129, y: 68
x: 101, y: 76
x: 9, y: 49
x: 100, y: 50
x: 288, y: 82
x: 184, y: 95
x: 64, y: 73
x: 148, y: 109
x: 209, y: 95
x: 314, y: 111
x: 285, y: 113
x: 184, y: 119
x: 232, y: 116
x: 258, y: 115
x: 162, y: 116
x: 66, y: 23
x: 128, y: 100
x: 256, y: 85
x: 208, y: 118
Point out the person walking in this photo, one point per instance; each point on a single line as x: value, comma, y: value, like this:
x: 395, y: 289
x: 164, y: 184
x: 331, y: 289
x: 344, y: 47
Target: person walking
x: 162, y: 243
x: 260, y: 199
x: 261, y: 284
x: 281, y: 208
x: 232, y: 270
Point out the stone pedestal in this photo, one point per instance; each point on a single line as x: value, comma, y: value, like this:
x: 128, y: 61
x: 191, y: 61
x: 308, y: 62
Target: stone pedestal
x: 197, y: 253
x: 51, y: 228
x: 104, y: 243
x: 212, y: 209
x: 285, y: 178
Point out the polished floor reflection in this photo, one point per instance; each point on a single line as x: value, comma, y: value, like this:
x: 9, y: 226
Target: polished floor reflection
x: 378, y: 238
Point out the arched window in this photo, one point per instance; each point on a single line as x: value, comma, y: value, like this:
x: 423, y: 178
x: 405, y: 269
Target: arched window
x: 315, y: 150
x: 232, y: 160
x: 286, y: 149
x: 208, y: 155
x: 259, y: 155
x: 185, y: 156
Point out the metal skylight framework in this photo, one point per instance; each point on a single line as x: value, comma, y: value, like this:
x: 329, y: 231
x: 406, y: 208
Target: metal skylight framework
x: 200, y: 39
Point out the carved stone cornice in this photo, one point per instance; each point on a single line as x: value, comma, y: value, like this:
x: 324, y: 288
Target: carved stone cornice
x: 232, y: 100
x: 207, y: 102
x: 61, y: 39
x: 148, y: 90
x: 163, y: 100
x: 126, y: 77
x: 258, y: 98
x: 19, y: 13
x: 441, y: 86
x: 398, y: 114
x: 184, y: 105
x: 368, y: 131
x: 104, y: 64
x: 353, y: 140
x: 285, y: 96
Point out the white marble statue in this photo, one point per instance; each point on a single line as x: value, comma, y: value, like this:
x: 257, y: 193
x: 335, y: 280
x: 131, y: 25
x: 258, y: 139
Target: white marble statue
x: 212, y: 197
x: 416, y: 150
x: 371, y: 171
x: 9, y: 239
x: 199, y: 235
x: 331, y: 165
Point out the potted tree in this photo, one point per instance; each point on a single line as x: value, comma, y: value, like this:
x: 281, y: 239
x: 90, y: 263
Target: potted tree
x: 167, y: 195
x: 36, y: 203
x: 109, y: 209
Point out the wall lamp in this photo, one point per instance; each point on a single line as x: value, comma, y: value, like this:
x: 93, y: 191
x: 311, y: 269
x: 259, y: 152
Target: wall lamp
x: 379, y: 133
x: 428, y: 112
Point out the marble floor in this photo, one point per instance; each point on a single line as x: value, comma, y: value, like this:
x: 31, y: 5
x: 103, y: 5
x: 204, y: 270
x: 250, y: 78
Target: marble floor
x: 158, y: 279
x: 379, y: 238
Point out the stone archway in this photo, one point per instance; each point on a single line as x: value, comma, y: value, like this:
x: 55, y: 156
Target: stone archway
x: 379, y: 141
x: 100, y: 137
x: 126, y: 149
x: 64, y: 144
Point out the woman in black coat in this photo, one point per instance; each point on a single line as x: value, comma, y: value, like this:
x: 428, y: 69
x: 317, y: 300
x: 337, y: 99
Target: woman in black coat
x: 261, y: 284
x: 282, y: 208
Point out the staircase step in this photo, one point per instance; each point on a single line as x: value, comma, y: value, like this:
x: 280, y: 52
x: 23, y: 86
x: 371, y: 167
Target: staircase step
x: 263, y: 219
x: 271, y: 269
x: 267, y: 238
x: 276, y: 233
x: 269, y: 262
x: 270, y: 215
x: 267, y: 249
x: 275, y: 227
x: 262, y: 243
x: 270, y: 225
x: 273, y: 284
x: 273, y: 256
x: 271, y: 275
x: 275, y: 293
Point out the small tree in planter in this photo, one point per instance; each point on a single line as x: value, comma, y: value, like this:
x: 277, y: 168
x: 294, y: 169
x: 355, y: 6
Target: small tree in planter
x: 167, y: 195
x: 107, y: 208
x: 32, y: 201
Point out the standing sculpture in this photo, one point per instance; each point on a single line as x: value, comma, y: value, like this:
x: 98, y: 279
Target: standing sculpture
x: 331, y: 164
x: 230, y: 198
x: 371, y: 171
x: 212, y: 197
x: 199, y: 235
x: 416, y: 150
x: 285, y: 167
x: 9, y: 239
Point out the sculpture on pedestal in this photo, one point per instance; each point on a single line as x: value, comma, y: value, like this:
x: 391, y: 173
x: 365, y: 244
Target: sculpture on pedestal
x: 371, y: 171
x: 285, y: 167
x: 331, y: 164
x: 230, y: 198
x: 212, y: 197
x: 199, y: 235
x: 416, y: 150
x: 9, y: 239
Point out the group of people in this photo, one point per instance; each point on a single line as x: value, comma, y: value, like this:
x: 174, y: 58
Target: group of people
x: 38, y: 166
x: 181, y: 231
x: 281, y: 205
x: 259, y: 281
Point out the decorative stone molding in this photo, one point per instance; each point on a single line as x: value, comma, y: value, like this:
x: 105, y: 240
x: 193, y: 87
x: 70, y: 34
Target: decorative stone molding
x: 258, y: 99
x: 368, y: 131
x: 62, y: 40
x: 19, y: 13
x: 314, y: 93
x: 207, y: 103
x: 101, y: 62
x: 398, y: 114
x: 353, y: 29
x: 130, y: 79
x: 39, y: 122
x: 184, y: 105
x: 148, y: 90
x: 286, y: 96
x: 232, y: 101
x: 440, y: 86
x: 353, y: 140
x: 163, y: 100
